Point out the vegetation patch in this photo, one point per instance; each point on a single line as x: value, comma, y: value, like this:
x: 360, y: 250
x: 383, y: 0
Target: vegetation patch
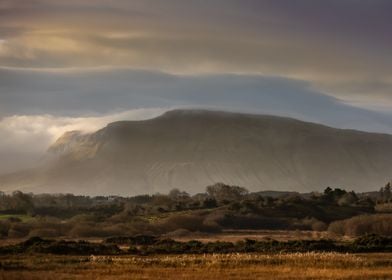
x: 60, y: 247
x: 147, y: 245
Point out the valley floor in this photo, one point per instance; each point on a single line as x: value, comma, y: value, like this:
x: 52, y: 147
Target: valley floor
x: 210, y: 266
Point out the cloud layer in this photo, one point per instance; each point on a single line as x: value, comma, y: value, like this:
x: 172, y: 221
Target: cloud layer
x: 100, y: 91
x: 341, y: 47
x: 38, y: 106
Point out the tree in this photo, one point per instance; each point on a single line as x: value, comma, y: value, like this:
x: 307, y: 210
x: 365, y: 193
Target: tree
x: 226, y: 193
x: 348, y: 199
x: 176, y: 194
x: 22, y: 201
x: 386, y: 192
x: 333, y: 195
x: 328, y: 191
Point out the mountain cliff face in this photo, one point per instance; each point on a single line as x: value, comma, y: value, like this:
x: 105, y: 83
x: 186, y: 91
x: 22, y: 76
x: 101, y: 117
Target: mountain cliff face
x: 190, y: 149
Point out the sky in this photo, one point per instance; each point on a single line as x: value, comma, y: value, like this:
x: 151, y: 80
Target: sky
x: 79, y: 64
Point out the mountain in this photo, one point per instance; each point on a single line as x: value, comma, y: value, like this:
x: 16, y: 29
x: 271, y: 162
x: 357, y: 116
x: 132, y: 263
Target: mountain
x: 190, y: 149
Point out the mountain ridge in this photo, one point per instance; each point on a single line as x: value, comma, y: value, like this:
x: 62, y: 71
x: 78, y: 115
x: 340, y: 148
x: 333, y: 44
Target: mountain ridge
x: 190, y: 149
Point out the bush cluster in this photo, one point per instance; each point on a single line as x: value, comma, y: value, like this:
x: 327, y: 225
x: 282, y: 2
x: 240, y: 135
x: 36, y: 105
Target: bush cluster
x: 363, y: 224
x: 145, y: 245
x: 220, y: 207
x: 61, y: 247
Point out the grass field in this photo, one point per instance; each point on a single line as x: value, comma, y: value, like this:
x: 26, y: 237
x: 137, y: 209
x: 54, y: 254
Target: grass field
x: 218, y: 266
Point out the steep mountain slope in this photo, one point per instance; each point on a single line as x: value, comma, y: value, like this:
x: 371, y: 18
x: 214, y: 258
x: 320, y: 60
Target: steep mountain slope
x: 190, y: 149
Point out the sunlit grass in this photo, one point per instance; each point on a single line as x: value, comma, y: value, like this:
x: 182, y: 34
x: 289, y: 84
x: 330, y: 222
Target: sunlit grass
x: 207, y: 266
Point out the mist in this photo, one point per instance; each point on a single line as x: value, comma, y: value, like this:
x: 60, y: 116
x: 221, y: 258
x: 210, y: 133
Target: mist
x: 25, y: 138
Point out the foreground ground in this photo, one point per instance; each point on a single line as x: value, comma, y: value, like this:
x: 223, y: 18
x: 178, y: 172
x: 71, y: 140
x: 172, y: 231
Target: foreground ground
x: 223, y: 266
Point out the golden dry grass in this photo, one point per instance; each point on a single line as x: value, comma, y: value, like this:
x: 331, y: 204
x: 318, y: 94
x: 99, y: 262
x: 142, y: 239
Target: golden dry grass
x: 211, y: 266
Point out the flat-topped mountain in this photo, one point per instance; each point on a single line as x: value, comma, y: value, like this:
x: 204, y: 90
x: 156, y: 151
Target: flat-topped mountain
x: 190, y: 149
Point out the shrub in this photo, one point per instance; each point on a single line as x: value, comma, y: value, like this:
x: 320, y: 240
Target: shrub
x: 252, y: 221
x: 42, y: 232
x: 372, y: 243
x: 39, y: 245
x: 4, y: 228
x: 364, y: 224
x: 314, y: 224
x: 219, y: 247
x: 181, y: 232
x: 188, y: 222
x: 337, y: 227
x: 19, y: 230
x: 133, y: 240
x: 99, y: 230
x: 76, y: 248
x: 87, y: 230
x: 48, y: 227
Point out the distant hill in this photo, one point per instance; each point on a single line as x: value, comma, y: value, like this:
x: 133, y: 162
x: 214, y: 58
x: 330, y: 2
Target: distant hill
x: 190, y: 149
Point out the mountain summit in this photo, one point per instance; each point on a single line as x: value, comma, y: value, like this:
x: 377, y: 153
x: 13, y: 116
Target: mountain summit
x: 190, y: 149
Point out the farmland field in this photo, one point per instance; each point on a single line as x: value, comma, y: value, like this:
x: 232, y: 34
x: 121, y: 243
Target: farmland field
x: 210, y: 266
